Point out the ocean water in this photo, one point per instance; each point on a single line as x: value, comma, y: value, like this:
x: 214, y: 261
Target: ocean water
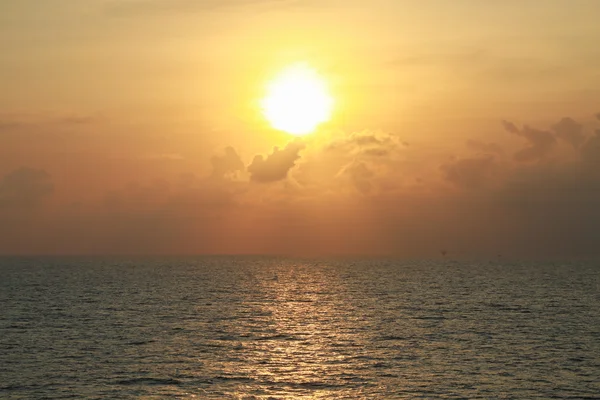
x: 276, y: 328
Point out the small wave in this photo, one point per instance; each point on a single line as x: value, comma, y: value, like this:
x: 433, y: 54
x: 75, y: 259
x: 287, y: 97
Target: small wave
x: 508, y: 307
x: 15, y: 326
x: 380, y: 365
x: 140, y: 342
x: 390, y: 338
x: 11, y: 388
x: 276, y: 337
x: 431, y: 317
x: 244, y: 379
x: 149, y: 381
x: 312, y: 385
x: 227, y: 338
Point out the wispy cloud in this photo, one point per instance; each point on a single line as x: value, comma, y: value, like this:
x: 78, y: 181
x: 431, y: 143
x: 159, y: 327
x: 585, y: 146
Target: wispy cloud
x: 24, y: 187
x: 145, y: 7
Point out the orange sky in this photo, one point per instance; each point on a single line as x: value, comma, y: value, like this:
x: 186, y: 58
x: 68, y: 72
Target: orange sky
x: 133, y: 127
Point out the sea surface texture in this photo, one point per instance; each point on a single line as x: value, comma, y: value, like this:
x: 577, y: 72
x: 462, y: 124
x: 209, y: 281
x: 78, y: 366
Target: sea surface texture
x: 276, y: 328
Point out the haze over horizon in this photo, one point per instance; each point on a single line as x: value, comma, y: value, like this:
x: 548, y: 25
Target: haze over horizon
x: 134, y: 127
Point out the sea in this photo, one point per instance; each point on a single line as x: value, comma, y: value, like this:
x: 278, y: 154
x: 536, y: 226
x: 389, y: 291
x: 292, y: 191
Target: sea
x: 284, y: 328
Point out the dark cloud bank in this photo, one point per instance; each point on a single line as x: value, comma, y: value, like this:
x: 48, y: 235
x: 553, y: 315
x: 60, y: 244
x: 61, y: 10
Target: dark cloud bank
x: 347, y: 197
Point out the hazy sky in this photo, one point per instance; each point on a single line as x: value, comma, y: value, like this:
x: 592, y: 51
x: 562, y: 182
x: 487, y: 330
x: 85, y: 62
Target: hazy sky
x: 133, y: 126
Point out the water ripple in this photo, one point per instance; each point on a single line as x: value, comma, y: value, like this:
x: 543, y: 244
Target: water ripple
x: 224, y: 328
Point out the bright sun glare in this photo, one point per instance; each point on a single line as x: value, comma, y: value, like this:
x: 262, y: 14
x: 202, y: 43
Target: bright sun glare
x: 297, y: 100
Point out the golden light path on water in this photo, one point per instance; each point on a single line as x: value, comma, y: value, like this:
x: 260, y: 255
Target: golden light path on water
x: 308, y: 340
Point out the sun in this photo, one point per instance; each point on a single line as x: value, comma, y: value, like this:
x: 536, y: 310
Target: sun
x: 297, y: 100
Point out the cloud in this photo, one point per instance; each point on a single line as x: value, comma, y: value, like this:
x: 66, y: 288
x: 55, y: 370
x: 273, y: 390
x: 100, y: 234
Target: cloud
x: 159, y: 217
x: 470, y: 173
x: 367, y: 143
x: 141, y: 7
x: 227, y: 164
x: 480, y: 64
x: 8, y: 125
x: 78, y: 120
x: 25, y: 187
x: 590, y: 152
x: 555, y: 209
x: 277, y: 165
x: 162, y: 157
x: 540, y: 143
x: 361, y: 160
x: 570, y: 131
x: 353, y: 194
x: 360, y: 175
x: 510, y: 127
x: 486, y: 148
x: 22, y: 123
x: 460, y: 56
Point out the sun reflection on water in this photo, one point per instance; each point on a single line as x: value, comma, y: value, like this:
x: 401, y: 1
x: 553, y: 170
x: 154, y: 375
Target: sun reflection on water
x: 301, y: 339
